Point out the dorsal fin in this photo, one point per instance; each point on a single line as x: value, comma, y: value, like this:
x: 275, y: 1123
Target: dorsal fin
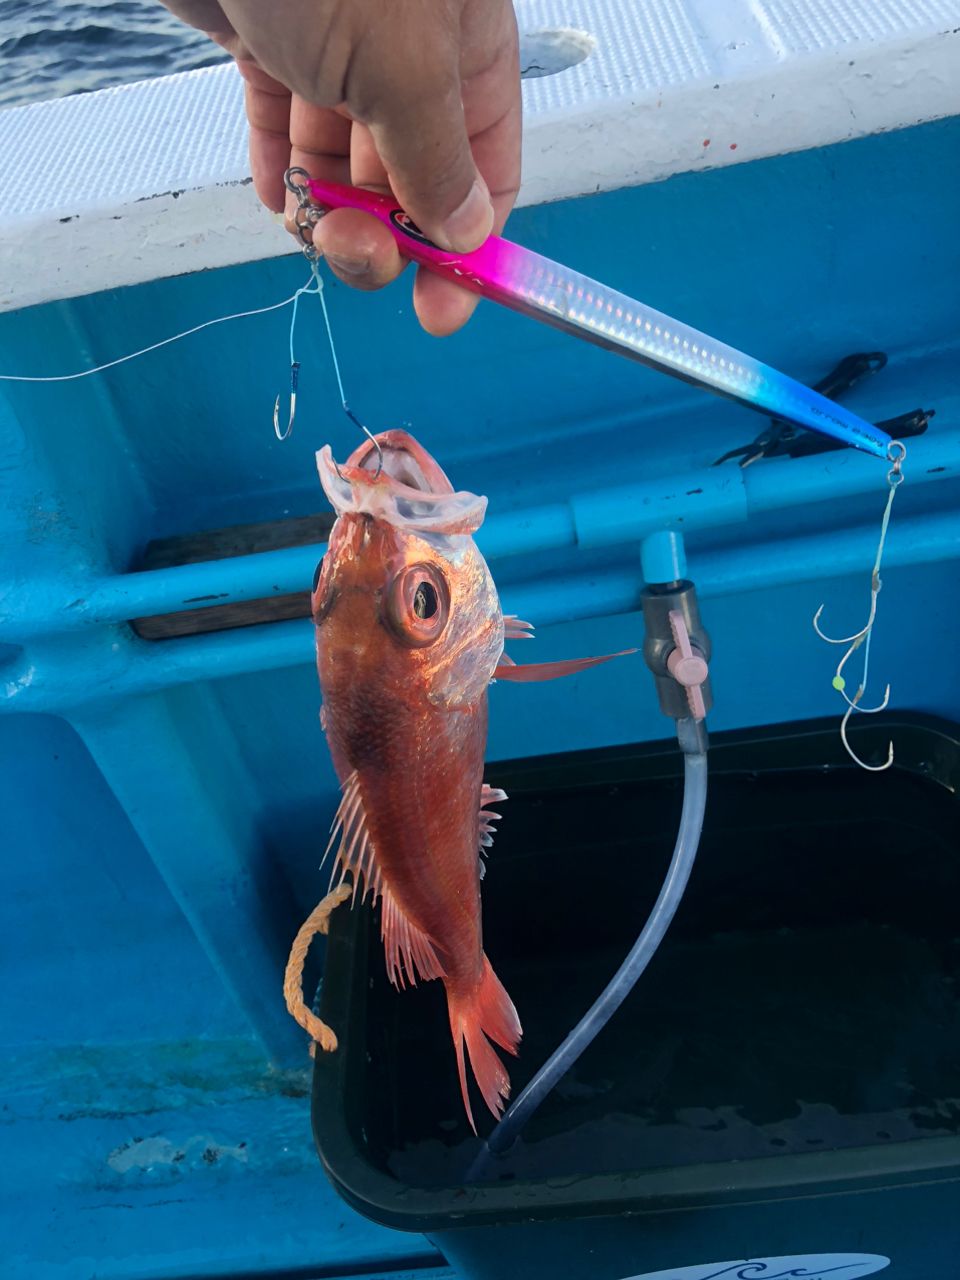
x: 409, y: 952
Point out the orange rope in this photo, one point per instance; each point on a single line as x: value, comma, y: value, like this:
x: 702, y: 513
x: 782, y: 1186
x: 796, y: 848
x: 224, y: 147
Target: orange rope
x: 318, y: 921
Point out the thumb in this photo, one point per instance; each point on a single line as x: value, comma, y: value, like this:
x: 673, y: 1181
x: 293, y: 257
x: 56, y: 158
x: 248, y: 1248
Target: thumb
x: 422, y: 141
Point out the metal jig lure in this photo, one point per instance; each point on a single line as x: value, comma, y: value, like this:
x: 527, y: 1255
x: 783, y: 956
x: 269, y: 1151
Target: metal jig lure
x: 535, y: 286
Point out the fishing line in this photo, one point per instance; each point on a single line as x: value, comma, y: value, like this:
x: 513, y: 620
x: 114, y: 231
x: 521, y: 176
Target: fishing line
x: 165, y: 342
x: 896, y: 453
x: 313, y: 286
x: 294, y: 371
x: 317, y: 281
x: 307, y: 216
x: 336, y: 369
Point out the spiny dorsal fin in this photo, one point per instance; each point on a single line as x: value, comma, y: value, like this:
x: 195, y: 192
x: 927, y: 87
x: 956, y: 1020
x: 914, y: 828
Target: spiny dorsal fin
x: 409, y: 953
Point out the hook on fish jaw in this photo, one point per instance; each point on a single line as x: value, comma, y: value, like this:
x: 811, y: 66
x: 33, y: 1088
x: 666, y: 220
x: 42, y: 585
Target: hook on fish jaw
x: 370, y: 436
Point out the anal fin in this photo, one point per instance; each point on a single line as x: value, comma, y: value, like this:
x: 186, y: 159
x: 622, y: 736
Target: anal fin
x: 409, y: 952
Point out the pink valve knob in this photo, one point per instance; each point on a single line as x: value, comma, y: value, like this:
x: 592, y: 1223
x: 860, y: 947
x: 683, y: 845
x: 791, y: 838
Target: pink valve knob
x: 687, y: 667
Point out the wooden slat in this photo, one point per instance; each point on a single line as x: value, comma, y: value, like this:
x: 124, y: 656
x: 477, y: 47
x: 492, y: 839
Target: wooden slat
x: 223, y: 617
x: 237, y: 540
x: 224, y: 544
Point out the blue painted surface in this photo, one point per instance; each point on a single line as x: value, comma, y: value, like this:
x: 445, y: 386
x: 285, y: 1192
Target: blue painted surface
x: 662, y: 557
x: 164, y: 803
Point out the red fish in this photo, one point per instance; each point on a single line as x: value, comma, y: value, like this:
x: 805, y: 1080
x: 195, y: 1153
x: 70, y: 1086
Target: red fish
x: 409, y: 636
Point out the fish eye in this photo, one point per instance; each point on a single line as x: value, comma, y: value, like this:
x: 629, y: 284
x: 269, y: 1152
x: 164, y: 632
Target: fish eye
x: 417, y: 605
x: 425, y: 602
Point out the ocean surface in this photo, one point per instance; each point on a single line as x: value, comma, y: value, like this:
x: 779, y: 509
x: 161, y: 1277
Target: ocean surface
x: 50, y: 48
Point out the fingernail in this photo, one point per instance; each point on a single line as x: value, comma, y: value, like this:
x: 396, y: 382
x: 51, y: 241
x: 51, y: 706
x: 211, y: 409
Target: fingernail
x: 349, y: 266
x: 468, y: 227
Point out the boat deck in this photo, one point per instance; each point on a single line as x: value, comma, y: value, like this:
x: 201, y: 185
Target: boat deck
x: 164, y: 799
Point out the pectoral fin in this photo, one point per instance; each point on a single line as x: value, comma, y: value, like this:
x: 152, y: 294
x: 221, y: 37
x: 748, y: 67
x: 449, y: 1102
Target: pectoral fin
x: 531, y: 671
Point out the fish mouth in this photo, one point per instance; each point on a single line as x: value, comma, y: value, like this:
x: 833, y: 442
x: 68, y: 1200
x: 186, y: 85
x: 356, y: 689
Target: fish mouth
x: 404, y: 460
x: 409, y: 490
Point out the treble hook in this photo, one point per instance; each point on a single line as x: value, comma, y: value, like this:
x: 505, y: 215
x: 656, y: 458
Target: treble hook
x: 294, y: 379
x: 870, y: 768
x: 876, y: 584
x: 895, y: 454
x: 894, y: 479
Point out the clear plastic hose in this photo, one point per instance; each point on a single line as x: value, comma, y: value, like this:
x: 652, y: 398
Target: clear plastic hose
x: 693, y: 741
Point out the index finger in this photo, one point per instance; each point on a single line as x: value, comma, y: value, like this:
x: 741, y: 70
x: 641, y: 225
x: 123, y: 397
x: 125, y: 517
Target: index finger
x: 358, y: 248
x: 268, y: 114
x: 493, y: 111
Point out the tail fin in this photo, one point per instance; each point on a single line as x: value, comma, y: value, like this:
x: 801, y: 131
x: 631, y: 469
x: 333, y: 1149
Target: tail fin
x: 485, y: 1011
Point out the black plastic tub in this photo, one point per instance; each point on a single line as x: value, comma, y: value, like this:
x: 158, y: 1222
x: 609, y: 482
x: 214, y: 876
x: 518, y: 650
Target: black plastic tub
x: 783, y: 1084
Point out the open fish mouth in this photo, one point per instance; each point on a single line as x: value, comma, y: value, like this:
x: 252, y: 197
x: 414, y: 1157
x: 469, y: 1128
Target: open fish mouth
x: 411, y: 491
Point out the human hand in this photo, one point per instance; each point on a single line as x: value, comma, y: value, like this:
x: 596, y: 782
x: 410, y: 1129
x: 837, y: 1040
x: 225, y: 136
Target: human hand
x: 421, y: 97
